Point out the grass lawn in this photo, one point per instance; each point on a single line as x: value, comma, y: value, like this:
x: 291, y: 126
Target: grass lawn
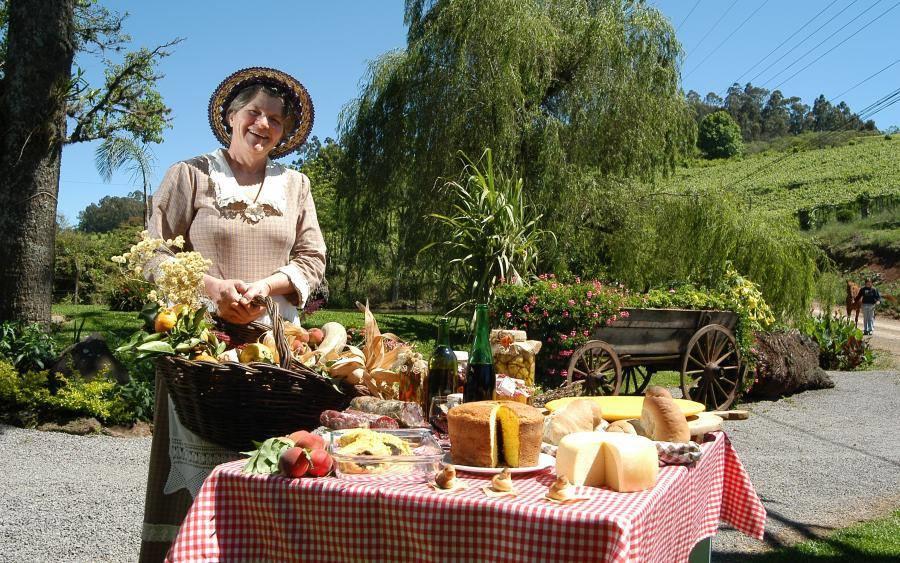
x: 876, y: 541
x: 115, y: 326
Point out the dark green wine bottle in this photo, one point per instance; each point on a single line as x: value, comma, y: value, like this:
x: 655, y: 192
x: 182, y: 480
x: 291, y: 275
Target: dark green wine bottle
x: 442, y: 364
x: 480, y: 377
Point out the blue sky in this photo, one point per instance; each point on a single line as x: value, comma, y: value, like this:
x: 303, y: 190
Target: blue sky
x: 327, y: 46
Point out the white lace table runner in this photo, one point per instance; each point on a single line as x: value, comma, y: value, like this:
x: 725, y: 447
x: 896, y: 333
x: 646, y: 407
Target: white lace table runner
x: 191, y: 457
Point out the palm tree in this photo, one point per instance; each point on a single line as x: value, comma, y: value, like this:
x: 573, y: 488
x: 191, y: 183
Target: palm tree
x: 116, y: 153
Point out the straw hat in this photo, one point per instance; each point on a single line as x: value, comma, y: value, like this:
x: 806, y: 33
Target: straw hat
x: 294, y: 94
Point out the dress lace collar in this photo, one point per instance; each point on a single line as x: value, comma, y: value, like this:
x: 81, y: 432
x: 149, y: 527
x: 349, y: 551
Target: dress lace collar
x: 232, y: 198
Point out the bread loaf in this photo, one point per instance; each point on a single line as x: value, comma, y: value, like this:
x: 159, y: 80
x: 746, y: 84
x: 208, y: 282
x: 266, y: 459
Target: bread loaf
x: 661, y: 418
x: 582, y: 415
x: 621, y: 426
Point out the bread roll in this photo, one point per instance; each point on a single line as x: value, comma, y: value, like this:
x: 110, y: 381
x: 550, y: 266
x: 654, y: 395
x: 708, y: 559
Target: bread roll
x: 582, y: 415
x: 661, y: 417
x: 621, y: 426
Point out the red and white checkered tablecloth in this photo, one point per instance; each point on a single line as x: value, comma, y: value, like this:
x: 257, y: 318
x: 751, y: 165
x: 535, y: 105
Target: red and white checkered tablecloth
x: 240, y: 517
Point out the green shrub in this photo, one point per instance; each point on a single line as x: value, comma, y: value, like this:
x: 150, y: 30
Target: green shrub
x: 719, y: 136
x: 845, y: 215
x: 26, y: 398
x: 841, y: 342
x: 125, y: 294
x: 27, y: 347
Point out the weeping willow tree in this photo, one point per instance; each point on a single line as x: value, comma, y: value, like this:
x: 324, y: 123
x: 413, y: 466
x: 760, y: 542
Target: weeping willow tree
x: 547, y: 85
x: 693, y: 236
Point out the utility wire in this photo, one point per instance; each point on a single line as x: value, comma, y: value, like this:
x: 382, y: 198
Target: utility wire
x: 730, y: 35
x: 802, y: 41
x: 863, y: 81
x: 820, y: 43
x: 697, y: 3
x: 714, y: 26
x: 791, y: 36
x: 852, y: 35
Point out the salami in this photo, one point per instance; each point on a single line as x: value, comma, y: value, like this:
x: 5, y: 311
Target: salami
x: 409, y: 415
x: 336, y: 420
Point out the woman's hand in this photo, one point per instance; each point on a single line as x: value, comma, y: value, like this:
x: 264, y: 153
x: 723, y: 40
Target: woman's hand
x: 227, y: 295
x: 261, y: 288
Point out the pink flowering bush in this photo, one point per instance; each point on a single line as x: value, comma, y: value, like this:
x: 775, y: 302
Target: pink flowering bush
x: 561, y: 315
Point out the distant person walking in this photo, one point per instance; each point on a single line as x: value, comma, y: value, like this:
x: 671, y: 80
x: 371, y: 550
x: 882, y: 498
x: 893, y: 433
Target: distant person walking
x: 869, y: 297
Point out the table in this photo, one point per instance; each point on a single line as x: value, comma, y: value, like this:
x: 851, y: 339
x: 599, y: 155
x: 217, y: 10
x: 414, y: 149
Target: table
x: 240, y: 517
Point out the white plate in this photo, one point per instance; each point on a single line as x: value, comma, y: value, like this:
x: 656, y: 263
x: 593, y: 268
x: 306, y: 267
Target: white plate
x: 544, y: 461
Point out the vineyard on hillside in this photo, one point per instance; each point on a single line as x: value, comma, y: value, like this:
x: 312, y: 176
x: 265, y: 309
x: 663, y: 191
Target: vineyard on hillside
x: 817, y: 185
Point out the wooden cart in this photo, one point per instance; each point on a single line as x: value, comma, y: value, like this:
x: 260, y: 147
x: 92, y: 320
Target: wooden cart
x: 621, y: 358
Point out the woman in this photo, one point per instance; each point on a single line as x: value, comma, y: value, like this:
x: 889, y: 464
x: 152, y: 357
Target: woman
x: 256, y: 221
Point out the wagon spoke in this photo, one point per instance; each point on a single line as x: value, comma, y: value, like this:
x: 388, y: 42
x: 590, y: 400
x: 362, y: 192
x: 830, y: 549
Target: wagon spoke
x: 728, y: 367
x: 720, y: 344
x: 695, y: 360
x: 579, y: 372
x: 721, y: 358
x: 720, y: 388
x: 693, y: 371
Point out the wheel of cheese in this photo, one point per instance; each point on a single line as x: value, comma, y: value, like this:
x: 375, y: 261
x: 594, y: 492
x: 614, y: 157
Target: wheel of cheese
x: 623, y: 462
x: 624, y: 407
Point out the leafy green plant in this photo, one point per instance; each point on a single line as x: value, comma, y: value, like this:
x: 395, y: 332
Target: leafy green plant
x: 264, y: 460
x: 28, y: 347
x: 492, y: 235
x: 719, y: 136
x: 841, y: 342
x: 27, y: 399
x: 126, y: 294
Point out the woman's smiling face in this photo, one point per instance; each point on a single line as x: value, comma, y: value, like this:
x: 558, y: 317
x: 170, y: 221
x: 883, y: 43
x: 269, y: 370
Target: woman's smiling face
x: 259, y: 125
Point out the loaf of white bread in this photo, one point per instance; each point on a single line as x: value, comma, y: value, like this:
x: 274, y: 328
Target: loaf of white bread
x: 581, y: 415
x: 661, y: 418
x: 623, y: 462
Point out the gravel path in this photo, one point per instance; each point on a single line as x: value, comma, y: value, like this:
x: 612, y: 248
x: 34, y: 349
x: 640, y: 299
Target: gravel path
x: 70, y: 498
x: 819, y: 460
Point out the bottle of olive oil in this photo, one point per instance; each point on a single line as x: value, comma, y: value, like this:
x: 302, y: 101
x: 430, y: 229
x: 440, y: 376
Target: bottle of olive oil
x: 480, y: 377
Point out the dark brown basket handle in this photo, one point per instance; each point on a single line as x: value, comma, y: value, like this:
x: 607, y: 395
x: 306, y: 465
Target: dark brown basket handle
x: 281, y: 344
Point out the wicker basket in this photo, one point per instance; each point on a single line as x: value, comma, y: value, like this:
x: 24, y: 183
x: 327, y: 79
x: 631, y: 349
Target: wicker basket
x: 234, y: 404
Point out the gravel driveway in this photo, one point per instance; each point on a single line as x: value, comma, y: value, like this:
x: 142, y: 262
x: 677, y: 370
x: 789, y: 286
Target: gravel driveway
x: 819, y: 460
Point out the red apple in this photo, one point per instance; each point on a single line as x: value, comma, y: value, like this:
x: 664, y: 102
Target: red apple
x: 321, y: 463
x: 294, y: 462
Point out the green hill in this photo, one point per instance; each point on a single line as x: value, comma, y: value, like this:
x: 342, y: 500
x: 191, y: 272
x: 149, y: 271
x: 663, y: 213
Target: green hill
x: 817, y: 185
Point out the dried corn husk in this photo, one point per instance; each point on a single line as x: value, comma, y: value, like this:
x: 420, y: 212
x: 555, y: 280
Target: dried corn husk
x: 375, y: 366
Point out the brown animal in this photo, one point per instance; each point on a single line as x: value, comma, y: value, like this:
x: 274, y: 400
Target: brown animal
x: 853, y: 300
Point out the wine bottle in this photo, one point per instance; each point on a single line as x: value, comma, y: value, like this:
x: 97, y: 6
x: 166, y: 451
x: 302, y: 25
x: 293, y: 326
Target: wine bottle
x: 442, y: 364
x: 480, y: 377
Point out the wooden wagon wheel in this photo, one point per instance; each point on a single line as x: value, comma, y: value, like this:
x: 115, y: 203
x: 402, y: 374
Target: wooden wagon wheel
x: 711, y: 368
x: 635, y: 379
x: 599, y: 365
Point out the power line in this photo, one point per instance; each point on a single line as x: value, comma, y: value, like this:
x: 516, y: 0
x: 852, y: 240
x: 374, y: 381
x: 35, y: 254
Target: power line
x: 802, y: 41
x: 714, y: 26
x: 730, y: 35
x: 697, y: 3
x: 820, y: 43
x: 852, y: 35
x: 862, y: 81
x: 791, y: 36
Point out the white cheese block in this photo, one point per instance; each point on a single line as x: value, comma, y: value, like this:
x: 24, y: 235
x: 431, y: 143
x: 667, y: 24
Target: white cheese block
x: 622, y: 462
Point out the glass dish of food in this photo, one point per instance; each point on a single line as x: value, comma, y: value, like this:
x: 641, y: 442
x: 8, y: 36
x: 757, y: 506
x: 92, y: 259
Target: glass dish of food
x: 407, y: 453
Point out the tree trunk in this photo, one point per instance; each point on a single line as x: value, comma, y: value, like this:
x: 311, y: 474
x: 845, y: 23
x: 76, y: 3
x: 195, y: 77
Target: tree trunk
x: 32, y: 108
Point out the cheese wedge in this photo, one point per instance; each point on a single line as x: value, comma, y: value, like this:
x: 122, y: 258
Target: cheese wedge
x: 622, y: 462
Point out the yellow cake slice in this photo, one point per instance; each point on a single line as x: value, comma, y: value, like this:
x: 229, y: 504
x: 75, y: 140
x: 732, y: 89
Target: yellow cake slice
x: 484, y: 433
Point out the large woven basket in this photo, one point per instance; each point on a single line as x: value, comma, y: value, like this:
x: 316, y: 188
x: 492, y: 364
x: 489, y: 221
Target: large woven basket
x: 233, y: 404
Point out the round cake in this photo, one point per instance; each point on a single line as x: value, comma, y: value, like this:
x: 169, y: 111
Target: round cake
x: 495, y: 433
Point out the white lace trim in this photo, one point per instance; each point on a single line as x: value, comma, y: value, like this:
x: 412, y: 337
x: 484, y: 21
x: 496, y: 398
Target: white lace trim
x: 229, y: 192
x: 191, y: 457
